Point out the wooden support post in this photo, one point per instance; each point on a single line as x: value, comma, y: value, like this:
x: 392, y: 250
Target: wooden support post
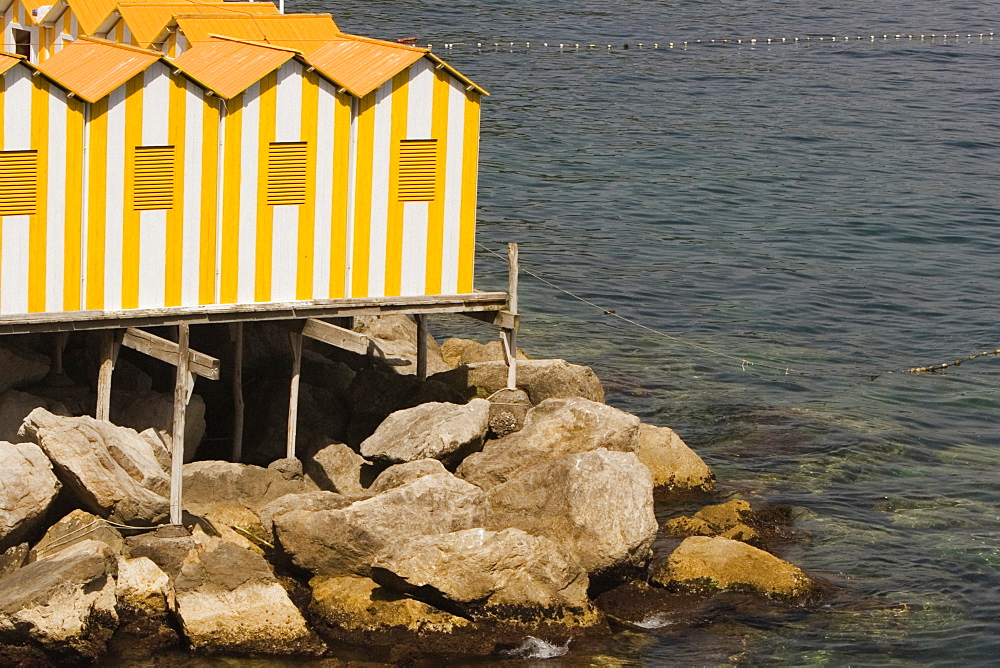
x: 58, y: 346
x: 182, y: 393
x: 295, y: 338
x: 110, y: 343
x: 422, y: 346
x: 236, y: 332
x: 508, y: 335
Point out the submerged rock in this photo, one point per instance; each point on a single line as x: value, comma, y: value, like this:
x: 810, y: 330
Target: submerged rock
x: 346, y: 541
x: 433, y: 430
x: 554, y: 428
x: 675, y: 466
x: 597, y: 505
x: 702, y: 562
x: 112, y: 471
x: 488, y: 574
x: 64, y: 603
x: 27, y: 489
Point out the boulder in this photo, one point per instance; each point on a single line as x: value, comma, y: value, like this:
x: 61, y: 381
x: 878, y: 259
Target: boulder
x: 597, y: 505
x: 227, y: 597
x: 145, y: 603
x: 541, y: 379
x: 687, y: 526
x: 145, y: 410
x: 309, y: 501
x: 554, y: 428
x: 346, y: 541
x: 20, y: 366
x: 487, y: 574
x: 13, y: 558
x: 337, y: 468
x: 64, y: 603
x: 457, y: 352
x: 322, y: 420
x: 77, y: 526
x: 111, y: 470
x: 704, y: 562
x: 675, y: 466
x: 430, y: 431
x: 400, y: 474
x: 395, y: 337
x: 27, y: 488
x: 356, y: 604
x: 737, y: 520
x: 508, y: 408
x: 15, y: 406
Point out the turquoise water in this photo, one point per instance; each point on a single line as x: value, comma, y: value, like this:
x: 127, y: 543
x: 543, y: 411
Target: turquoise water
x: 828, y: 208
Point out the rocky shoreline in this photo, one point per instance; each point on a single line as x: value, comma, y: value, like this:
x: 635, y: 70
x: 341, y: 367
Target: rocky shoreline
x: 442, y: 517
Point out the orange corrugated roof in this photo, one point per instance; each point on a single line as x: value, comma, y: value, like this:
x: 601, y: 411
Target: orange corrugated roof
x: 92, y: 68
x: 91, y: 14
x: 302, y: 32
x: 229, y: 66
x: 148, y: 21
x: 8, y: 60
x: 360, y: 64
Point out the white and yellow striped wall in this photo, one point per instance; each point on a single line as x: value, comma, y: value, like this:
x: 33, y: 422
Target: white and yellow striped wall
x: 41, y: 167
x: 413, y: 205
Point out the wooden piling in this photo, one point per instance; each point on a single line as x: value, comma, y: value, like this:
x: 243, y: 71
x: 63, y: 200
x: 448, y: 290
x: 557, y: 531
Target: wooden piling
x: 508, y: 336
x: 239, y: 407
x: 295, y: 339
x: 182, y: 393
x: 110, y: 344
x: 422, y: 346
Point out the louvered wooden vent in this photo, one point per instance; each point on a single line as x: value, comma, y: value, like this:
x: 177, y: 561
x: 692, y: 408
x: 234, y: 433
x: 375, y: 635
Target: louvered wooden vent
x: 18, y: 183
x: 286, y: 173
x: 417, y: 170
x: 153, y: 182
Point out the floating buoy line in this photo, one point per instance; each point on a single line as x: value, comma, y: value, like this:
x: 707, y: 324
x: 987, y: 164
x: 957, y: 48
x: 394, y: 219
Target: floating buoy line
x: 510, y: 46
x: 745, y: 363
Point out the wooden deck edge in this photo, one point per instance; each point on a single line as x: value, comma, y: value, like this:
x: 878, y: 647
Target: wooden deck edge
x: 70, y: 321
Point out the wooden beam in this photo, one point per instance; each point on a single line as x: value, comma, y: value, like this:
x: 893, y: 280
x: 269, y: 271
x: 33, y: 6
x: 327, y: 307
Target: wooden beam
x: 295, y: 339
x: 422, y: 335
x: 166, y: 351
x: 110, y: 345
x: 239, y: 407
x: 335, y: 336
x: 182, y: 393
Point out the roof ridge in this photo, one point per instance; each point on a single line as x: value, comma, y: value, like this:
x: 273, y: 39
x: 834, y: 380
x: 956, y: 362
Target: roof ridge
x: 119, y: 45
x: 254, y: 43
x: 383, y: 42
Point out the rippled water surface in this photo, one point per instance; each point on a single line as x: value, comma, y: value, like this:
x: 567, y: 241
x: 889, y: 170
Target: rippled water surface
x: 825, y: 210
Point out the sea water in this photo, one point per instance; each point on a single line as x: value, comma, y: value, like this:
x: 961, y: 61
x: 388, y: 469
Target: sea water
x: 793, y: 224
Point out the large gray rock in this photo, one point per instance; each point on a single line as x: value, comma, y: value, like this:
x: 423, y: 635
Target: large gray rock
x: 15, y: 406
x: 541, y: 379
x: 675, y: 466
x: 500, y: 574
x: 554, y: 428
x: 27, y: 488
x: 227, y: 597
x: 346, y: 541
x: 145, y: 410
x: 597, y: 505
x: 400, y: 474
x: 76, y: 527
x: 112, y: 471
x: 721, y: 563
x: 430, y: 431
x: 65, y: 603
x: 20, y: 366
x: 337, y: 468
x: 395, y: 337
x: 309, y: 501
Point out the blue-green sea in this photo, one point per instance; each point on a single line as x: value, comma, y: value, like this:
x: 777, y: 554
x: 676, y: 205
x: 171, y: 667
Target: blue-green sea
x: 796, y: 223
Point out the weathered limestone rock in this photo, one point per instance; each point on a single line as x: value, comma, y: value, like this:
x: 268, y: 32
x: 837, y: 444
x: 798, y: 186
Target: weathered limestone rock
x: 77, y: 526
x: 15, y: 406
x: 508, y: 408
x: 27, y: 488
x: 308, y: 501
x: 674, y: 465
x: 346, y: 541
x: 554, y: 428
x: 487, y: 574
x: 687, y: 526
x: 400, y: 474
x: 358, y: 604
x: 597, y: 505
x: 337, y: 468
x: 20, y: 366
x: 227, y: 597
x: 145, y: 410
x: 396, y: 337
x: 430, y: 431
x: 232, y: 495
x: 13, y: 558
x: 725, y: 519
x: 457, y: 352
x: 64, y: 603
x: 726, y: 515
x: 541, y: 379
x: 145, y: 601
x: 720, y: 563
x: 111, y: 470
